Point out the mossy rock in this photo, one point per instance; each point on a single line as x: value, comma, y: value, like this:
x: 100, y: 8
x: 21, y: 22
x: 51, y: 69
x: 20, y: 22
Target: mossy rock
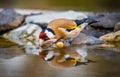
x: 111, y: 37
x: 4, y: 43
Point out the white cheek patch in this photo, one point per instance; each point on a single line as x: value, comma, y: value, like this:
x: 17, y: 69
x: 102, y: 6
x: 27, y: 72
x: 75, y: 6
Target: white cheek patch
x: 49, y: 34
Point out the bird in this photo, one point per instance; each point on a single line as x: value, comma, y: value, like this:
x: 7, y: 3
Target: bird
x: 60, y: 57
x: 60, y: 29
x: 57, y: 59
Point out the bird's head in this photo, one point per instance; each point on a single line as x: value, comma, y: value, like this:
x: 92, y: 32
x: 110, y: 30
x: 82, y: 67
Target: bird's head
x: 64, y: 28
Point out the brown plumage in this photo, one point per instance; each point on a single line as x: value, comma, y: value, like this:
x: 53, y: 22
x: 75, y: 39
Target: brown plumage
x: 59, y: 26
x: 61, y: 30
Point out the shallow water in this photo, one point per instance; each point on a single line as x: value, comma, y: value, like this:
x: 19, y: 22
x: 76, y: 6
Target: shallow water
x: 15, y: 62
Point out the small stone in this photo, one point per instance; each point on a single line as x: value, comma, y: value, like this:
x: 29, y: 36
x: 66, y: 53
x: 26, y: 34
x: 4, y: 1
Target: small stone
x: 108, y: 21
x: 92, y: 32
x: 9, y: 19
x: 111, y: 37
x: 117, y: 27
x: 86, y: 39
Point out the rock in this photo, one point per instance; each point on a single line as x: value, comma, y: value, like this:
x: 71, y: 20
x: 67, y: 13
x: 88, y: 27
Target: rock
x: 9, y: 19
x: 25, y: 35
x: 107, y: 21
x: 46, y: 18
x: 111, y: 37
x: 92, y: 32
x: 117, y: 27
x: 86, y: 39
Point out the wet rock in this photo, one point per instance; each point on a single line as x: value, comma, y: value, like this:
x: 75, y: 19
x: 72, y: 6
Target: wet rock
x: 46, y: 18
x: 117, y: 27
x: 42, y: 25
x: 108, y: 20
x: 9, y: 19
x: 24, y: 35
x: 92, y: 32
x: 4, y: 43
x: 86, y: 39
x: 111, y: 37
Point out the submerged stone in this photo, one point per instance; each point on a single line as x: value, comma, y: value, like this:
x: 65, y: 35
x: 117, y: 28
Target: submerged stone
x: 86, y: 39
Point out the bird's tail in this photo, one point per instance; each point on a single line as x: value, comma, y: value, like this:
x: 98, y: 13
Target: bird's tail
x: 89, y: 21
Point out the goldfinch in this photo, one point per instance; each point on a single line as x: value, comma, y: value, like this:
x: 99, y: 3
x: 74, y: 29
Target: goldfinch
x: 62, y: 29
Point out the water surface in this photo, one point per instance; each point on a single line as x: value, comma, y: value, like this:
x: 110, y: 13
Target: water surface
x: 106, y: 63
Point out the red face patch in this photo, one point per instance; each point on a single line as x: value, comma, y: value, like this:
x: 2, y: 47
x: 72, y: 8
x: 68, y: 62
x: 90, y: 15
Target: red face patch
x: 43, y: 36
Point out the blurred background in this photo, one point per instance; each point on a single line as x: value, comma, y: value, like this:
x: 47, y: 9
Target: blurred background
x: 79, y: 5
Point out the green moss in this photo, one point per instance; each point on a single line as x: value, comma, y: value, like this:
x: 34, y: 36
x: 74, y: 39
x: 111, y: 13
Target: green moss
x: 5, y: 43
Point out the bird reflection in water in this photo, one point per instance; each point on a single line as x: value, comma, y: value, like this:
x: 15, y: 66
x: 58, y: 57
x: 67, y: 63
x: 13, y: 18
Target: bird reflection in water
x: 65, y: 57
